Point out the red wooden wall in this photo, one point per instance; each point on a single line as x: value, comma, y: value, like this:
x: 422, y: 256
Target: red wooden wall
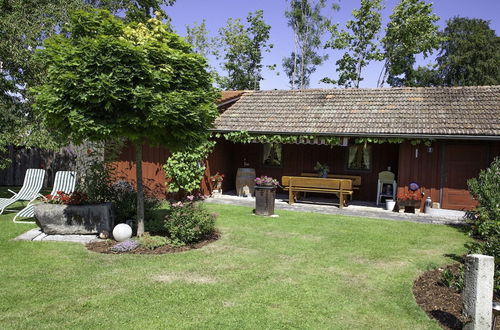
x: 302, y: 158
x: 442, y: 173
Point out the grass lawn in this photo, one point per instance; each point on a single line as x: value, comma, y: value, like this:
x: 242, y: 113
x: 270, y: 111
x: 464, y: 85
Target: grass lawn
x: 300, y: 270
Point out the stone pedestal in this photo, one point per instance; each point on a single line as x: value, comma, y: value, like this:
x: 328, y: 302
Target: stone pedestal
x: 58, y: 219
x: 478, y: 291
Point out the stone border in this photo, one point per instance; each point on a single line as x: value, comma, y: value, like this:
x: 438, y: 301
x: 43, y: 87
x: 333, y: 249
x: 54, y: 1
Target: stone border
x: 37, y: 235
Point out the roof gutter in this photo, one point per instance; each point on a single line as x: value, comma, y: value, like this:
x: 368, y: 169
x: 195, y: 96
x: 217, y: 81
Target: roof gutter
x: 379, y: 135
x: 231, y: 100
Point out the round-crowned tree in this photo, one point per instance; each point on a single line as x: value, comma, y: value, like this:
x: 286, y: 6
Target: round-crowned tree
x: 107, y: 78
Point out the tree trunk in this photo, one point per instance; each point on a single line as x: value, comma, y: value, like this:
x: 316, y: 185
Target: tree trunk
x: 140, y: 189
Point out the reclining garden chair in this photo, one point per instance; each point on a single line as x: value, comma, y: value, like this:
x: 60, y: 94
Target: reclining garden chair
x: 33, y: 182
x: 64, y: 181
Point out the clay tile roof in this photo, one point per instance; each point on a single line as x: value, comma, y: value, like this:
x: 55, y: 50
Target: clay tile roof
x: 471, y: 111
x: 229, y: 95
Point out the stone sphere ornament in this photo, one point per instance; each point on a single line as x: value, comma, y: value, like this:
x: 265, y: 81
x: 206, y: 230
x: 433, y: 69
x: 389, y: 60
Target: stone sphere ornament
x: 122, y: 232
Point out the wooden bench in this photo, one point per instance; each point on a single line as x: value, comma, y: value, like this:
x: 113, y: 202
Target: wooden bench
x: 297, y: 184
x: 356, y: 179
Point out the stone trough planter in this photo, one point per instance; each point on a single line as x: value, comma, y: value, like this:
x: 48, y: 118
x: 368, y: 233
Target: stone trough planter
x: 58, y: 219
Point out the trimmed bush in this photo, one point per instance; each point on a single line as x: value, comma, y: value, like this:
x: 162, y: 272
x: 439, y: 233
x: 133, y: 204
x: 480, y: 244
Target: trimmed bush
x: 189, y: 222
x: 485, y: 225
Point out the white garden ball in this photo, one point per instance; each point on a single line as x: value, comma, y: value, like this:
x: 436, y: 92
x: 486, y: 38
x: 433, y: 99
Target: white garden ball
x: 122, y: 232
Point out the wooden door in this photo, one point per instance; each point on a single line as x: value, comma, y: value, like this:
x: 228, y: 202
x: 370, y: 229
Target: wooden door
x: 461, y: 162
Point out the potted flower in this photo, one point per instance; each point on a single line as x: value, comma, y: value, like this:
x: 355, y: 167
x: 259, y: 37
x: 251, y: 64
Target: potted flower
x: 66, y: 214
x: 322, y: 169
x: 265, y: 194
x: 410, y: 200
x: 216, y: 180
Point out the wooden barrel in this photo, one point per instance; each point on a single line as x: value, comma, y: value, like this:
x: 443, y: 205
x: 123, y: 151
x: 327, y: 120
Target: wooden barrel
x: 245, y: 181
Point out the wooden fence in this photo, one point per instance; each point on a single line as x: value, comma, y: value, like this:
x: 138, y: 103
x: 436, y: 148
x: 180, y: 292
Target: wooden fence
x: 66, y: 159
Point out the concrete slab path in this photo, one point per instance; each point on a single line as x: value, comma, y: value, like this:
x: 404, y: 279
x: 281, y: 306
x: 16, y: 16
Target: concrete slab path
x: 355, y: 209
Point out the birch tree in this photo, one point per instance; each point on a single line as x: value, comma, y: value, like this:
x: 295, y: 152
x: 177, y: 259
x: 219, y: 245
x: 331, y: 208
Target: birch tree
x: 243, y: 48
x: 308, y: 24
x: 360, y: 40
x: 410, y: 31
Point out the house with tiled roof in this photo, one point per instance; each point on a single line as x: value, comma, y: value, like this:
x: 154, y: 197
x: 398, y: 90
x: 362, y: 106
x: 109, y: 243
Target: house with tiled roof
x: 438, y: 137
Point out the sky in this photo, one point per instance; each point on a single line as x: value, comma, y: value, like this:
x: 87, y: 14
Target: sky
x: 216, y: 13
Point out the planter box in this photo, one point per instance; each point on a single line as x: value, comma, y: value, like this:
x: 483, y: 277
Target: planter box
x: 264, y: 200
x: 57, y: 219
x: 409, y: 205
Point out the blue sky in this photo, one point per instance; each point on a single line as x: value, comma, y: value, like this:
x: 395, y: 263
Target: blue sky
x: 216, y: 13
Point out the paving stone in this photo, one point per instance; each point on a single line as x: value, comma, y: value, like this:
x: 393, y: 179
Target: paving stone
x: 40, y: 237
x: 29, y: 235
x: 83, y: 239
x: 355, y: 209
x: 37, y: 235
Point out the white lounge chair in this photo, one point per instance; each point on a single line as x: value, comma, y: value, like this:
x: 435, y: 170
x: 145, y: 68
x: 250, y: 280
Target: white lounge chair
x: 33, y: 182
x: 64, y: 181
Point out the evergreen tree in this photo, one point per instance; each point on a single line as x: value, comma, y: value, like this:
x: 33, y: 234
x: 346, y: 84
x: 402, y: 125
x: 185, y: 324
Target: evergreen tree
x: 470, y: 53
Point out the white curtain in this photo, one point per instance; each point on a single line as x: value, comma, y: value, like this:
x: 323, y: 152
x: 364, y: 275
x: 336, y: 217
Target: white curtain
x: 352, y: 155
x: 267, y: 151
x: 366, y: 156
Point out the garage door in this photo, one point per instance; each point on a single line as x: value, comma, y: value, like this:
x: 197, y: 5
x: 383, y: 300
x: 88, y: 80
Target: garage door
x: 461, y: 162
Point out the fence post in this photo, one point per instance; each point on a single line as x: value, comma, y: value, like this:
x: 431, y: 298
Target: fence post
x: 478, y: 291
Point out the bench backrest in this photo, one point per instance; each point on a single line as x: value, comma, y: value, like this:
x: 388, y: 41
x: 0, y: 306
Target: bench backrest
x: 324, y: 183
x: 356, y: 179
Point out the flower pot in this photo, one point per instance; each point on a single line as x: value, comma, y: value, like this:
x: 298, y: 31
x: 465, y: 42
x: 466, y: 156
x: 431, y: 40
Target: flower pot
x: 389, y: 204
x: 409, y: 205
x: 409, y: 202
x: 59, y: 219
x: 264, y: 200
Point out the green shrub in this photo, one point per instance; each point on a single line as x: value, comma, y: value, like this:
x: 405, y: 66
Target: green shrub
x: 94, y: 176
x: 485, y: 225
x: 189, y: 222
x: 124, y: 199
x: 454, y: 281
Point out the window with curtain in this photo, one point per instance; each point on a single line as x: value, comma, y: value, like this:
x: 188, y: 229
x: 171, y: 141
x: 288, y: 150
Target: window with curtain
x: 359, y: 158
x: 272, y: 154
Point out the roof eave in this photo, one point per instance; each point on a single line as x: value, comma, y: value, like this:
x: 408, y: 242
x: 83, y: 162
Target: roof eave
x: 380, y: 135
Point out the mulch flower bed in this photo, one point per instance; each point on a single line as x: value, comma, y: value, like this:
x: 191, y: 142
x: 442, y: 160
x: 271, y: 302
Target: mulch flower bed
x: 438, y: 301
x: 105, y: 246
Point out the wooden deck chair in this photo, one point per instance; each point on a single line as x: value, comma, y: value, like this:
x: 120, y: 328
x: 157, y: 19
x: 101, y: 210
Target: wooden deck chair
x: 33, y: 182
x: 64, y: 181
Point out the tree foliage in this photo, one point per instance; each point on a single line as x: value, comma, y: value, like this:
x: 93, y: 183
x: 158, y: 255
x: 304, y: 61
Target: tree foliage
x: 486, y: 224
x: 197, y: 36
x: 308, y: 24
x: 360, y: 43
x: 469, y: 53
x: 107, y: 78
x: 410, y: 31
x: 186, y: 168
x: 24, y: 25
x: 243, y: 49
